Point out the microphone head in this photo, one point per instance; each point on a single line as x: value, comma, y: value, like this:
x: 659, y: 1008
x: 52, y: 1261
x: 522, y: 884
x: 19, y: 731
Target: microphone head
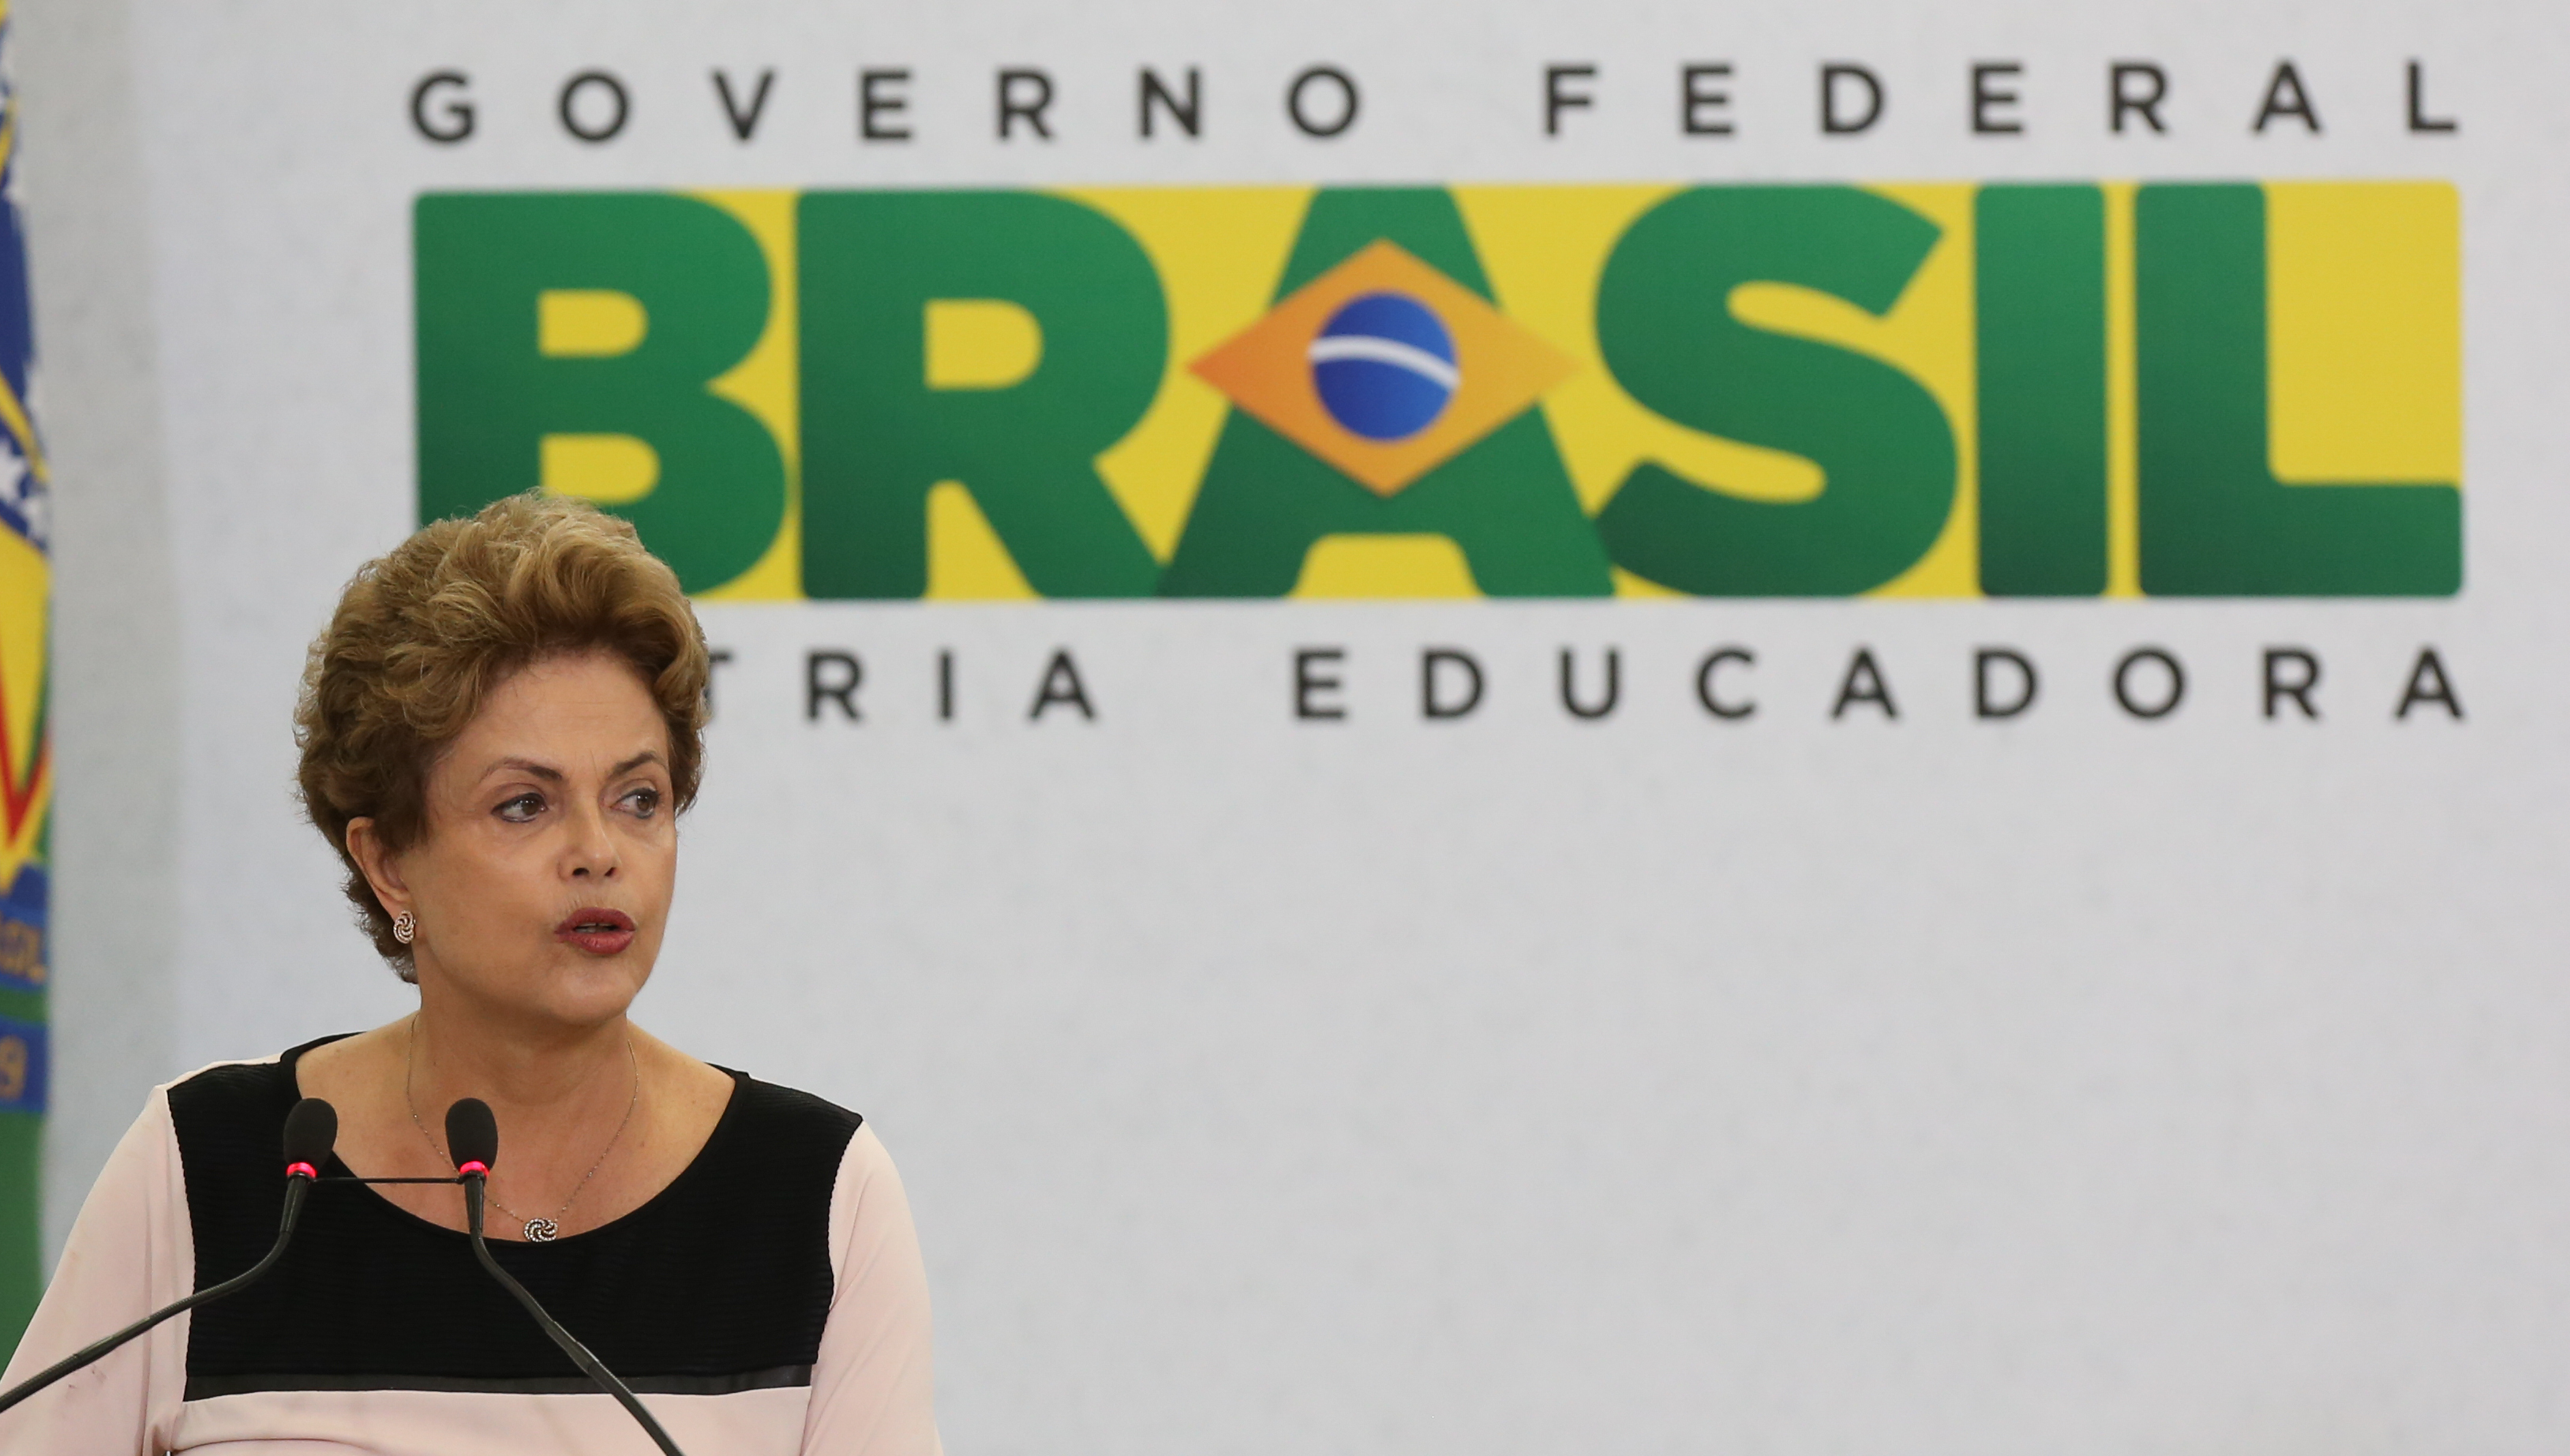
x: 310, y: 1129
x: 472, y: 1134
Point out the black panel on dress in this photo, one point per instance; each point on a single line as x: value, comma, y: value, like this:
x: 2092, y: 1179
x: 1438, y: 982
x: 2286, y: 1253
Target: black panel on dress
x: 719, y: 1283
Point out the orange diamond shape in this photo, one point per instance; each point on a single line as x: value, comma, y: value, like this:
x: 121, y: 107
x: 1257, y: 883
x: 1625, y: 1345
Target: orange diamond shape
x: 1498, y: 369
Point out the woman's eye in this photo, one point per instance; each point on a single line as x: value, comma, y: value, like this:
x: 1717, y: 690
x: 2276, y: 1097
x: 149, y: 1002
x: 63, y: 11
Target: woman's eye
x: 521, y: 809
x: 645, y: 802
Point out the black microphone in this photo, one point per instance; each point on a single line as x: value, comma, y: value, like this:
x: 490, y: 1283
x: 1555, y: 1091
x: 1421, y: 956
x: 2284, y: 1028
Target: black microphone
x: 310, y: 1129
x: 473, y: 1141
x: 472, y: 1138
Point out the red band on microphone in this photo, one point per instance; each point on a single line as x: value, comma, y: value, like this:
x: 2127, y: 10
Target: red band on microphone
x: 301, y: 1170
x: 471, y: 1166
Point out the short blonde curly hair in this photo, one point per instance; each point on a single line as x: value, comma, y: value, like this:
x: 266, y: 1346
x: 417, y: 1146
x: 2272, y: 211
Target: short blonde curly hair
x: 424, y: 633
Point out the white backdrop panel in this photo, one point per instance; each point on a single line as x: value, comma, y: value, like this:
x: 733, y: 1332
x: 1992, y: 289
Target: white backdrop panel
x: 1514, y: 1084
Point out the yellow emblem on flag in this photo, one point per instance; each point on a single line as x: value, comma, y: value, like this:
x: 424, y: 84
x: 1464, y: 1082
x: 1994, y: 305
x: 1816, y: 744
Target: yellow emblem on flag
x: 1384, y: 368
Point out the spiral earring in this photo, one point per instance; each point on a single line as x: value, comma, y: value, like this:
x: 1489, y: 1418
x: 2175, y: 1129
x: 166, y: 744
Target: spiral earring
x: 405, y: 925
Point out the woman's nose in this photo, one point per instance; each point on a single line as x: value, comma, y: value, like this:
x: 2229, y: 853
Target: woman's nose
x: 591, y: 852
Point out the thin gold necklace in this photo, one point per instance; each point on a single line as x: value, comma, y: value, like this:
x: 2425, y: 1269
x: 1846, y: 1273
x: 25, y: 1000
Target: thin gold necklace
x: 536, y: 1230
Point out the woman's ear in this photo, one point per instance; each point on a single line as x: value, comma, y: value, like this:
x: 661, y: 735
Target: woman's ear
x: 380, y: 865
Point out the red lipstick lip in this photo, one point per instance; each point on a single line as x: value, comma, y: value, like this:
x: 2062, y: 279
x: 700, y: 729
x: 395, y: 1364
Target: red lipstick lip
x: 595, y: 929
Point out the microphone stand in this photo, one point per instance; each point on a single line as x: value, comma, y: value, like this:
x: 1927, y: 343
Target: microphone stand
x: 298, y: 1185
x: 599, y: 1374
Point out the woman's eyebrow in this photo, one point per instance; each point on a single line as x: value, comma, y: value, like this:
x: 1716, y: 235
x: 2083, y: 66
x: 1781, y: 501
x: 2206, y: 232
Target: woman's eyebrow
x: 553, y: 775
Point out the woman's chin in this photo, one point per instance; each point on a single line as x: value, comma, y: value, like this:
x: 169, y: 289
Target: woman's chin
x: 599, y: 992
x: 569, y: 986
x: 589, y: 989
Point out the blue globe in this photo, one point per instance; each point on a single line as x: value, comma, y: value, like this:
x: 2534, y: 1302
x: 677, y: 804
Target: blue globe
x: 1384, y: 366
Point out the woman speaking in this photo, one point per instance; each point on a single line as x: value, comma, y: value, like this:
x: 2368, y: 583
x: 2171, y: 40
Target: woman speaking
x: 498, y: 730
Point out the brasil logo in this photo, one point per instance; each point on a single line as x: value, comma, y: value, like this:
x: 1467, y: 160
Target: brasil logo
x: 2054, y: 390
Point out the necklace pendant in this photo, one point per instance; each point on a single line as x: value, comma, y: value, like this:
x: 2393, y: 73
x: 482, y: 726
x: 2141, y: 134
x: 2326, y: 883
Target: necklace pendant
x: 541, y: 1231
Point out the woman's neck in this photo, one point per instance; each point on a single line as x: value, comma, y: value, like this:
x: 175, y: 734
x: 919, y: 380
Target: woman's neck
x: 546, y: 1084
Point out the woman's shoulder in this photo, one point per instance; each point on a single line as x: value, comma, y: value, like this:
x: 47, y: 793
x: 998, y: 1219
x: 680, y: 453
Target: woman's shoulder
x: 779, y: 1126
x: 225, y: 1120
x: 224, y: 1104
x: 822, y: 1160
x: 790, y: 1106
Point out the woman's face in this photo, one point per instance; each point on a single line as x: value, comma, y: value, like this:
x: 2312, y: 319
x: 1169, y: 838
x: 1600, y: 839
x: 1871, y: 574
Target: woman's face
x: 542, y: 884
